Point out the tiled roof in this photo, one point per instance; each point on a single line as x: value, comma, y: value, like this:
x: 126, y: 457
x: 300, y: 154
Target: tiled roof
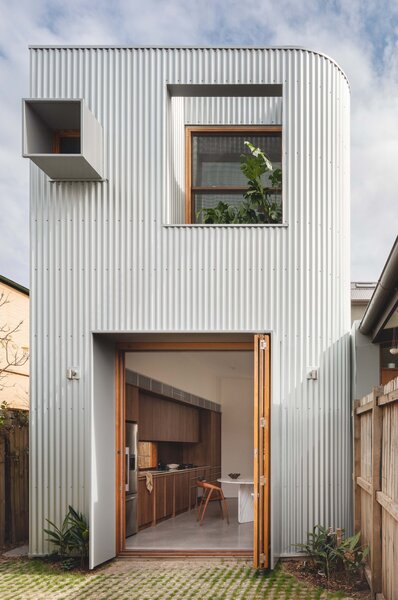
x: 362, y: 291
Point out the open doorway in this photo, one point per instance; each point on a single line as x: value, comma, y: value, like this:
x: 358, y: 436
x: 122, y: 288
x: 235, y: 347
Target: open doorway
x: 192, y: 413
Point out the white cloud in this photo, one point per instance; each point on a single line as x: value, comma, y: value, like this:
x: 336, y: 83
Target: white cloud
x: 361, y: 36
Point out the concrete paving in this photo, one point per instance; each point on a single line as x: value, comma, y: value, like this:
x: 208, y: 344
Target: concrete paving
x: 184, y: 532
x: 151, y: 579
x: 17, y: 552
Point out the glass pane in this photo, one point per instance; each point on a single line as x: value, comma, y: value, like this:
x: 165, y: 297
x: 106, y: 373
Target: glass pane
x: 69, y: 145
x: 216, y: 158
x: 203, y: 200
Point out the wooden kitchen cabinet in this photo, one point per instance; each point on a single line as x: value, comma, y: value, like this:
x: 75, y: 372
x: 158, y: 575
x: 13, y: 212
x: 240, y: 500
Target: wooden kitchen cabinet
x: 173, y: 493
x: 160, y: 502
x: 188, y: 424
x: 132, y: 403
x: 169, y: 491
x: 145, y: 505
x: 215, y: 439
x: 146, y: 420
x: 182, y: 489
x: 207, y: 450
x: 162, y: 420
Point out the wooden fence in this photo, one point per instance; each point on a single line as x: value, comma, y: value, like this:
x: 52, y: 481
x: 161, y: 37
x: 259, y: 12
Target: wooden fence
x: 14, y: 485
x: 376, y: 486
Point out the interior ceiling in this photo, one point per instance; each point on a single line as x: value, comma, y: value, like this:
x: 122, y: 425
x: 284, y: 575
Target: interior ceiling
x: 228, y: 364
x: 392, y: 321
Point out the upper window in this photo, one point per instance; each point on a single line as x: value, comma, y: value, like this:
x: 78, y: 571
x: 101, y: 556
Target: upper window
x: 63, y: 138
x: 228, y: 180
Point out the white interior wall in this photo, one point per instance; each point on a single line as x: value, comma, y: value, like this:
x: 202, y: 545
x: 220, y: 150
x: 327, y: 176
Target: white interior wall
x: 223, y: 377
x: 236, y: 430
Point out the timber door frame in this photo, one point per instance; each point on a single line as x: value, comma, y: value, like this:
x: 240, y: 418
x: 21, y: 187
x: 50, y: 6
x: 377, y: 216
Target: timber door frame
x: 261, y: 466
x: 261, y: 397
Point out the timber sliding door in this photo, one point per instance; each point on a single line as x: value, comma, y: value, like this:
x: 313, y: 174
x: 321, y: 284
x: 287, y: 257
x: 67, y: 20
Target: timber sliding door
x: 261, y: 541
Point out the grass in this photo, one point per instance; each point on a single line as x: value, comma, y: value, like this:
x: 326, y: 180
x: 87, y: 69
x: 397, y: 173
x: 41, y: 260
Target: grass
x: 119, y: 580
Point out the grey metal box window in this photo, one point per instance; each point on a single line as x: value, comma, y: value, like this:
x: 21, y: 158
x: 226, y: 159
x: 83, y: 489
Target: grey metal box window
x: 63, y: 138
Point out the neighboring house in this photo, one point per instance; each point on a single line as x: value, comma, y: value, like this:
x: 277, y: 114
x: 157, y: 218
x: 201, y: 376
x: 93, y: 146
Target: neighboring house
x: 376, y: 335
x: 14, y: 344
x: 361, y: 293
x: 129, y: 145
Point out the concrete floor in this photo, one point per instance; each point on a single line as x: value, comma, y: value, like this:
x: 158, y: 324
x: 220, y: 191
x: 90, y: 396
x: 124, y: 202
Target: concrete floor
x: 184, y: 532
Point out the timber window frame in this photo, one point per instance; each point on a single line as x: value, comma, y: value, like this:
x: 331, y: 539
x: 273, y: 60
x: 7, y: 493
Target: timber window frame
x: 209, y: 130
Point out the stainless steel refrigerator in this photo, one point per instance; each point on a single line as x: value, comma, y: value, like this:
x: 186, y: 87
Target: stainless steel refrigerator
x: 131, y: 477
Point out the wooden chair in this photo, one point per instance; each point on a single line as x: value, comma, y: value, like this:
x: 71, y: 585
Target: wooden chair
x: 211, y: 492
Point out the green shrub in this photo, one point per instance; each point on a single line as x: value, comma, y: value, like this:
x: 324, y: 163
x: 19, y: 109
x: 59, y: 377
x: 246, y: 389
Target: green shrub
x: 330, y: 552
x: 72, y: 539
x: 351, y: 554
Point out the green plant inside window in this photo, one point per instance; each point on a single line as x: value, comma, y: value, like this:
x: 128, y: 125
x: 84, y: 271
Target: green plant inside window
x: 261, y: 202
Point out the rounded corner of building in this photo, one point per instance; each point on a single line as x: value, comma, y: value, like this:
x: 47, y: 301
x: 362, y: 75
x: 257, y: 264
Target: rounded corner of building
x: 333, y: 62
x: 324, y: 56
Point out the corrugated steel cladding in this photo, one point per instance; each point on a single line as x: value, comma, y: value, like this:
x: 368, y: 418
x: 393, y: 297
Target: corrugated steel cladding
x: 103, y: 260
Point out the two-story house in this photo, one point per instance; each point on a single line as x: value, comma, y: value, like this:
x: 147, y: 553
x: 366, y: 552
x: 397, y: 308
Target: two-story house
x: 166, y: 297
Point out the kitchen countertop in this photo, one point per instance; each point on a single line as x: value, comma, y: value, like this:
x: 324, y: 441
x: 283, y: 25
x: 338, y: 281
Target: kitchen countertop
x: 171, y: 471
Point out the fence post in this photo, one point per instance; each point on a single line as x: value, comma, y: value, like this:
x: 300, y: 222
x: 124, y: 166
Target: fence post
x: 376, y: 546
x: 356, y: 468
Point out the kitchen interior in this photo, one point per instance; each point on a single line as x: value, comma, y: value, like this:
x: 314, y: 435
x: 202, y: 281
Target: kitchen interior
x: 189, y: 419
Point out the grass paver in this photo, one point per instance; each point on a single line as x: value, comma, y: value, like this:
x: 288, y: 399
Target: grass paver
x: 152, y: 580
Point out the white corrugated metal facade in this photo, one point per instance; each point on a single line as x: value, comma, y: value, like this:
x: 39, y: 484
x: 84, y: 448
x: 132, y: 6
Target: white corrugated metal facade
x: 115, y: 256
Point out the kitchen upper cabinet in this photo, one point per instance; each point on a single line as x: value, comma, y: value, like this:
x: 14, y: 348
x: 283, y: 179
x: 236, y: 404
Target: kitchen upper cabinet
x: 132, y: 403
x: 162, y: 420
x: 215, y: 456
x: 208, y: 449
x: 146, y: 419
x: 188, y: 423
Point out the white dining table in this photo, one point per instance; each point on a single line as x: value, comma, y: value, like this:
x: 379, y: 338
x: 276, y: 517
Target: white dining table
x: 245, y: 497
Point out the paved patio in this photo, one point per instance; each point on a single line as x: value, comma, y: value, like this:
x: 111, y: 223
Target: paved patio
x: 160, y: 579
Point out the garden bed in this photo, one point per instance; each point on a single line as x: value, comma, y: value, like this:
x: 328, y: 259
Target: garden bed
x: 352, y: 585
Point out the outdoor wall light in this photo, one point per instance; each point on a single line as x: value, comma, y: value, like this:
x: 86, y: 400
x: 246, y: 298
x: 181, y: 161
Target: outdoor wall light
x: 72, y: 373
x: 313, y: 374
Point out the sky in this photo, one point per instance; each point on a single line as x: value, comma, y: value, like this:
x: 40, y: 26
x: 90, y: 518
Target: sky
x: 362, y: 36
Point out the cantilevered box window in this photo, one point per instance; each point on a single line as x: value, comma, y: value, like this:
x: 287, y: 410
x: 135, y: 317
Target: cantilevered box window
x: 214, y: 176
x: 63, y: 138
